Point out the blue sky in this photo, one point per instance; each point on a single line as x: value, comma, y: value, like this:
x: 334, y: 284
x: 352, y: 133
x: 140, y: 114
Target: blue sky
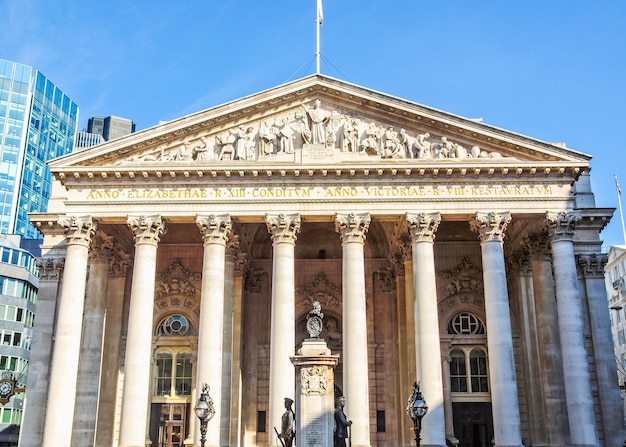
x: 553, y: 70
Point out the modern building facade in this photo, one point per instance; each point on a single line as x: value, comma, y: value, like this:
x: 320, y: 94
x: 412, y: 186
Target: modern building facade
x: 616, y: 294
x: 18, y: 297
x: 110, y: 127
x: 37, y: 123
x: 442, y: 250
x: 86, y: 139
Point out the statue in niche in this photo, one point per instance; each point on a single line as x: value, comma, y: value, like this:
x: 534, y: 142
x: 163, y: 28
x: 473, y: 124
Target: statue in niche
x: 318, y: 118
x: 371, y: 142
x: 227, y: 141
x: 302, y: 126
x: 422, y: 146
x: 202, y: 150
x: 350, y: 140
x: 266, y: 139
x: 285, y: 136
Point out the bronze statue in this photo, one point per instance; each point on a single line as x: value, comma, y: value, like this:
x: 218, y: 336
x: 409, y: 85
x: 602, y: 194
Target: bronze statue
x: 341, y: 423
x: 287, y: 429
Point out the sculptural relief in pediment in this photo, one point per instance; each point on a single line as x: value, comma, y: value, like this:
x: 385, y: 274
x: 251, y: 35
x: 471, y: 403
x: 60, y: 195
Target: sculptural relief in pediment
x: 311, y: 133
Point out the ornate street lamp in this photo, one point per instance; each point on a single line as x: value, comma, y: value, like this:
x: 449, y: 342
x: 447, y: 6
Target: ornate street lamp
x: 205, y: 411
x: 417, y: 409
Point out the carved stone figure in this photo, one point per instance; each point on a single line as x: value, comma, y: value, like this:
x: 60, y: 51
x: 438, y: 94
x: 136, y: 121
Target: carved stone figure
x: 423, y: 146
x: 405, y: 142
x: 371, y: 141
x: 445, y: 148
x: 202, y: 150
x: 182, y: 153
x: 392, y: 144
x: 285, y: 136
x: 266, y: 139
x: 350, y: 136
x: 318, y: 119
x: 314, y: 320
x: 227, y: 141
x: 302, y: 126
x: 240, y: 148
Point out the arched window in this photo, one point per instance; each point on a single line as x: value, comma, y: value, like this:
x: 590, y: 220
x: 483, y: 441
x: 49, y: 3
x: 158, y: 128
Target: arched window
x: 466, y: 323
x: 174, y: 325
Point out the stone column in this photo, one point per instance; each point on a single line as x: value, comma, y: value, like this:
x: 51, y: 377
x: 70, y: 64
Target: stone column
x: 550, y: 358
x: 135, y: 398
x: 592, y: 266
x: 504, y: 398
x: 447, y: 401
x: 110, y: 375
x: 50, y: 271
x: 62, y: 390
x: 283, y: 228
x: 422, y: 228
x: 84, y: 428
x: 236, y: 264
x: 352, y: 228
x: 578, y: 391
x: 215, y: 230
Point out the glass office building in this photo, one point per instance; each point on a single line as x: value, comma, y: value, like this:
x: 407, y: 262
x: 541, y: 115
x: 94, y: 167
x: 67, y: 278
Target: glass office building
x: 37, y: 123
x: 18, y: 297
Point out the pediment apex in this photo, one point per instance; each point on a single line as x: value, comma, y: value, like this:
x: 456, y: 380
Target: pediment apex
x: 319, y: 120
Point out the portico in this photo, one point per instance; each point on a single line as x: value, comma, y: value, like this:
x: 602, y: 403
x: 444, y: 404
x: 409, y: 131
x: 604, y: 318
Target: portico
x: 410, y: 240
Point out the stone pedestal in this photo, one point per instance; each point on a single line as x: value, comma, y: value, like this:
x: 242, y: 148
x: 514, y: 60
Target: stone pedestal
x: 315, y: 385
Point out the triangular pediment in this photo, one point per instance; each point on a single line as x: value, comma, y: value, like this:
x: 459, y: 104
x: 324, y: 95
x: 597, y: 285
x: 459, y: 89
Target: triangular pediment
x: 319, y: 121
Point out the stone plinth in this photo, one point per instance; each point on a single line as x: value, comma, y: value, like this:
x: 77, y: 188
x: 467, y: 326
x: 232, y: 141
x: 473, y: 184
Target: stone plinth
x: 315, y: 385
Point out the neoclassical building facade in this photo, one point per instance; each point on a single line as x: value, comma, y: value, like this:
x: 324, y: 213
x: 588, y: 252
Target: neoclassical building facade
x: 442, y: 250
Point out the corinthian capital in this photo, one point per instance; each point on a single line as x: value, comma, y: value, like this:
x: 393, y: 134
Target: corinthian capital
x: 215, y: 228
x: 50, y: 268
x: 490, y: 226
x: 422, y: 226
x: 101, y: 247
x: 147, y: 229
x: 352, y: 227
x: 78, y: 230
x: 561, y: 225
x: 283, y: 227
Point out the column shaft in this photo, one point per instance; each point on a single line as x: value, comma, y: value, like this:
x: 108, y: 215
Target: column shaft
x: 91, y: 354
x: 62, y: 391
x: 504, y: 398
x: 50, y: 272
x: 355, y: 350
x: 215, y: 230
x: 283, y: 326
x: 422, y: 228
x: 580, y: 406
x: 137, y: 363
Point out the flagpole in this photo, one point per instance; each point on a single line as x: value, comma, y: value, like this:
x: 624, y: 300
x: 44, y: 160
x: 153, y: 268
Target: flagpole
x: 619, y: 201
x: 319, y: 17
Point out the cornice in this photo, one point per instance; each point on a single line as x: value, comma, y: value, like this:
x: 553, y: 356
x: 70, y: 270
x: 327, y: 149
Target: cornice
x: 410, y: 170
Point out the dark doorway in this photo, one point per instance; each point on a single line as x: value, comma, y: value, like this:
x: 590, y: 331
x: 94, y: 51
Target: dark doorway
x: 473, y: 423
x: 168, y: 424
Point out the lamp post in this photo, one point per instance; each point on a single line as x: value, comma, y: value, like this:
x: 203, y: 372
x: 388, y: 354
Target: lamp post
x: 417, y: 409
x: 205, y: 411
